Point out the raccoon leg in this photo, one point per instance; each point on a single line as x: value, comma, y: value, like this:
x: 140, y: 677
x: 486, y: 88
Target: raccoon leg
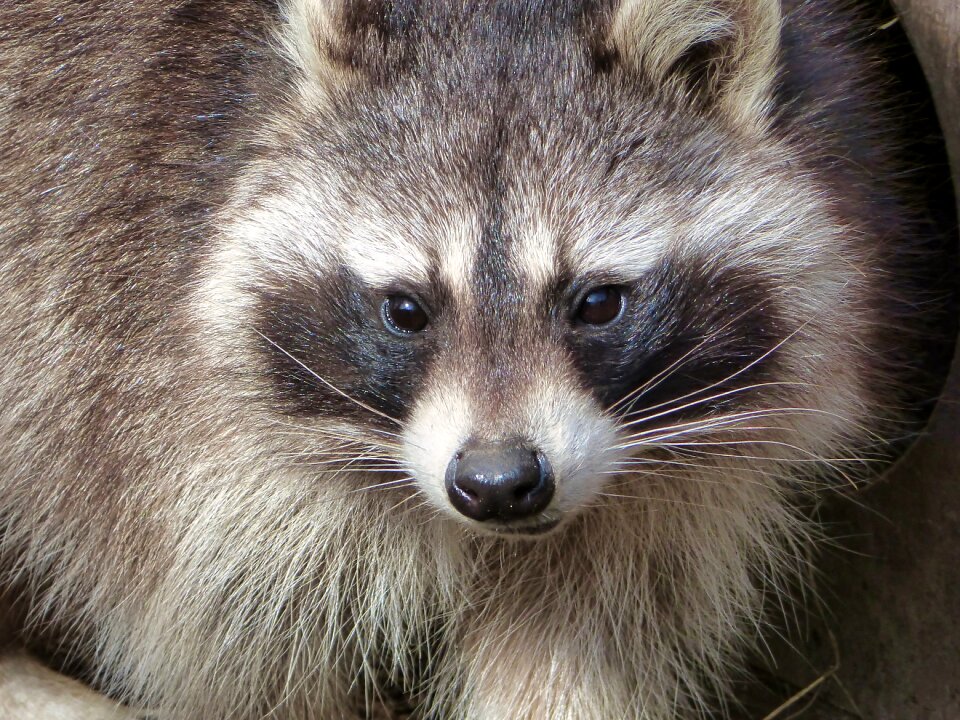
x: 31, y: 691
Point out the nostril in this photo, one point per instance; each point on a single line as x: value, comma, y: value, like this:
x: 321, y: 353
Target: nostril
x: 521, y: 492
x: 525, y: 487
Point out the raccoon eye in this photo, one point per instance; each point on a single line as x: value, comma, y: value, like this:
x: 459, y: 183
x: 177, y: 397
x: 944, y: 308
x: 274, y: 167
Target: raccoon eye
x: 601, y: 305
x: 403, y: 315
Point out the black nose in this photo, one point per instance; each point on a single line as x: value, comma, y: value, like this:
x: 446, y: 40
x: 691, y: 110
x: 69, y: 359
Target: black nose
x: 499, y: 482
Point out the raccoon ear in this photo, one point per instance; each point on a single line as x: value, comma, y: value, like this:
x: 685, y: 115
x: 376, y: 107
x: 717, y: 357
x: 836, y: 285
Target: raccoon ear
x: 721, y: 52
x: 331, y: 39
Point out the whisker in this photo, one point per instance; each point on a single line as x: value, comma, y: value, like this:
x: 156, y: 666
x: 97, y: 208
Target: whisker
x: 655, y: 435
x: 814, y: 459
x: 357, y: 471
x: 326, y: 432
x: 673, y: 367
x: 647, y: 386
x: 701, y: 401
x: 678, y: 468
x: 665, y: 500
x: 659, y: 377
x: 408, y: 498
x: 382, y: 462
x: 651, y: 436
x: 330, y: 385
x: 399, y: 482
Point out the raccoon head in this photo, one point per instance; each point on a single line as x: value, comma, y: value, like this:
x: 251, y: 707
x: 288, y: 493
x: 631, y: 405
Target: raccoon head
x: 532, y: 256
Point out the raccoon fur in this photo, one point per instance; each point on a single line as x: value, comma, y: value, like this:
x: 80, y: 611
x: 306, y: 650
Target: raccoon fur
x: 481, y: 354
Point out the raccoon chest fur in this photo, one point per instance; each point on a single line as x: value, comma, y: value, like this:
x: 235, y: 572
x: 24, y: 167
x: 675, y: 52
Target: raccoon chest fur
x: 479, y: 354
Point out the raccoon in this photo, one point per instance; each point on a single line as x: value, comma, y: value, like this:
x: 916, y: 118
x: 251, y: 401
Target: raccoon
x: 484, y: 355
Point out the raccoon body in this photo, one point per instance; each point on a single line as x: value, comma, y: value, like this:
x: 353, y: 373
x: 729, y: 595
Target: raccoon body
x: 482, y: 353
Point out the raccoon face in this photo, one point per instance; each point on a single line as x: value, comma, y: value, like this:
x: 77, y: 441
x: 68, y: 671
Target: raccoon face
x: 523, y: 267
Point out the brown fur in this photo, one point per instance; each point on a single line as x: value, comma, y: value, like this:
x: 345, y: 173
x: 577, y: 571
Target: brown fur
x: 182, y: 182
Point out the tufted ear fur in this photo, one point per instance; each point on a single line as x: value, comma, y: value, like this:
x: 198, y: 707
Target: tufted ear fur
x: 334, y: 39
x: 722, y: 52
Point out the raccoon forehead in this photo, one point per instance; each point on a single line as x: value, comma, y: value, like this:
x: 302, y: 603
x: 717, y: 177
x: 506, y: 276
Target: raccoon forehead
x: 624, y: 249
x: 385, y: 254
x: 381, y: 254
